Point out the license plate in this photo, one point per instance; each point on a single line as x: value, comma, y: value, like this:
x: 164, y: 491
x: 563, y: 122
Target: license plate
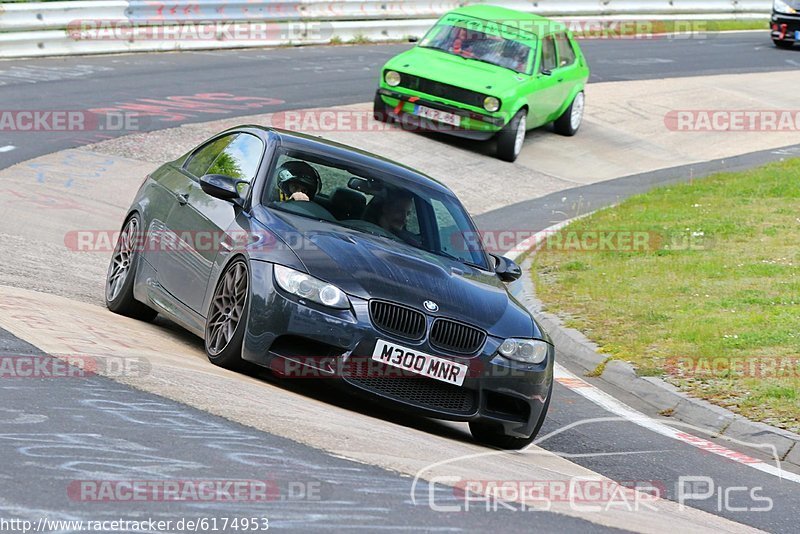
x: 419, y: 363
x: 439, y: 116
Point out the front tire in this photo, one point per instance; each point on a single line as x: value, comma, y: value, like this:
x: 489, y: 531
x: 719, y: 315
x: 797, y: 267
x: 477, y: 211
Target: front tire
x: 492, y: 435
x: 783, y: 44
x: 570, y: 121
x: 511, y: 137
x: 227, y: 317
x: 121, y: 275
x: 379, y: 110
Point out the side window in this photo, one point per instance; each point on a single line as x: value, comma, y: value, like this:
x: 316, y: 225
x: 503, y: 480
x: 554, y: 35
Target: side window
x: 239, y: 159
x: 566, y: 54
x: 548, y: 54
x: 199, y: 162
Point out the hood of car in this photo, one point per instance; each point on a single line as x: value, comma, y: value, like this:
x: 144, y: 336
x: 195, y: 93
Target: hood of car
x: 373, y: 267
x: 455, y: 70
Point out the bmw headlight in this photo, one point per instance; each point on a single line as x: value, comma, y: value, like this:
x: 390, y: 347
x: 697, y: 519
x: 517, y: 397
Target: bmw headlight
x: 524, y: 350
x: 392, y: 78
x: 307, y: 287
x: 782, y: 7
x: 491, y: 104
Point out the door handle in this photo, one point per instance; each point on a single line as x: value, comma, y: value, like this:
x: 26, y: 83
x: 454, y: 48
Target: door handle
x: 560, y: 80
x: 183, y: 198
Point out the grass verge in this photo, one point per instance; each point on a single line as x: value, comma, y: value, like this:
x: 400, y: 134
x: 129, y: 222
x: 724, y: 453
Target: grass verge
x: 698, y: 282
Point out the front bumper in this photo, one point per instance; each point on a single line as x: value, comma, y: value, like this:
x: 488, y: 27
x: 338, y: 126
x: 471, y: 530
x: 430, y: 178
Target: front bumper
x: 785, y: 27
x: 480, y: 126
x: 298, y: 339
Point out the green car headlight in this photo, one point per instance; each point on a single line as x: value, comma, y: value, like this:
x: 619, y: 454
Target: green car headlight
x: 491, y: 104
x: 524, y: 350
x: 392, y: 78
x: 308, y: 287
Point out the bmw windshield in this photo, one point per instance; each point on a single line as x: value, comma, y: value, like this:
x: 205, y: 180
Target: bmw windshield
x: 375, y: 203
x: 480, y: 41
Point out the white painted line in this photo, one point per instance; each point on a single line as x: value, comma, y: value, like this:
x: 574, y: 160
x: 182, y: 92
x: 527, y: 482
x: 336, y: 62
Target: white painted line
x: 7, y: 148
x: 617, y: 407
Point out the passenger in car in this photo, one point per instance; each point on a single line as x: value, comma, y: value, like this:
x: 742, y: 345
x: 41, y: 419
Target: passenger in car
x: 390, y: 211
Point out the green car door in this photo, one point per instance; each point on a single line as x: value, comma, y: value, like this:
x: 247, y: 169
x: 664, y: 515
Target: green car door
x: 547, y: 94
x: 570, y: 72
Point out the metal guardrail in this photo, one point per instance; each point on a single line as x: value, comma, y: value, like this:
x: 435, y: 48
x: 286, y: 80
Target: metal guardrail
x: 106, y: 26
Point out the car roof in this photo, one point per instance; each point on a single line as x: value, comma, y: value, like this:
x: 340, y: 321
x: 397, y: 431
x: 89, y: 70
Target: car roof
x: 361, y: 158
x: 502, y: 15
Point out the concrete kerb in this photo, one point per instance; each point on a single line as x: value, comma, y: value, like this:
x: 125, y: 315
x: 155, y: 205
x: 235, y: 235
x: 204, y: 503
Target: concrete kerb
x: 661, y: 396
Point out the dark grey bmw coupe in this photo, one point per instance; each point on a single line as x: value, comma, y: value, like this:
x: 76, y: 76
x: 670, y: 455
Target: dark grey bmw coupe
x: 313, y: 258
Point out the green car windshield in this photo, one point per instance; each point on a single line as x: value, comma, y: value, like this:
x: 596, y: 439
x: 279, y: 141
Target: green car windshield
x: 479, y: 40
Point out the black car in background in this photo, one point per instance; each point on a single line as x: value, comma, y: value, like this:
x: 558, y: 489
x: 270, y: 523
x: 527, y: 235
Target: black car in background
x: 785, y: 23
x: 316, y: 259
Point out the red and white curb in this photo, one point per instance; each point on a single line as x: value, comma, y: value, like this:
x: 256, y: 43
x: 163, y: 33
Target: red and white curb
x: 616, y: 407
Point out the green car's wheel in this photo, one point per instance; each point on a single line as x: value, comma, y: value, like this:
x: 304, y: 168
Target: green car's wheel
x: 122, y: 274
x: 511, y: 137
x: 379, y: 110
x: 570, y: 121
x: 782, y: 44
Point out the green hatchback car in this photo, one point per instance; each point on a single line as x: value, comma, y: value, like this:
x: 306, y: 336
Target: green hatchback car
x: 485, y: 71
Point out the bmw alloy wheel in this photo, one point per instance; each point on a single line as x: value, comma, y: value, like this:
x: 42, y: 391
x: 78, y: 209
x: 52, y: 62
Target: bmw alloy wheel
x: 122, y: 259
x: 227, y: 308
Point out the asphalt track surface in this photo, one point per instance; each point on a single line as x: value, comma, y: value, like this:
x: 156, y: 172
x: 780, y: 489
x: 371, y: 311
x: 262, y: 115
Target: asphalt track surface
x: 66, y: 430
x: 306, y: 77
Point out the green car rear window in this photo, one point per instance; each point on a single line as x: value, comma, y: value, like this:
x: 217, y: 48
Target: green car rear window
x: 484, y: 41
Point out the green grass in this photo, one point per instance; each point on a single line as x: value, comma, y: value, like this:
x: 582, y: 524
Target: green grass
x: 712, y: 302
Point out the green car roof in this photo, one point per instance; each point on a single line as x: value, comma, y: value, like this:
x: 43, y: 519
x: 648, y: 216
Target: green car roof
x: 500, y: 15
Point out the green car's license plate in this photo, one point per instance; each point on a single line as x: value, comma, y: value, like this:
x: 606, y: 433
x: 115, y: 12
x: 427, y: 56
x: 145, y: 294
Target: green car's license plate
x: 436, y: 115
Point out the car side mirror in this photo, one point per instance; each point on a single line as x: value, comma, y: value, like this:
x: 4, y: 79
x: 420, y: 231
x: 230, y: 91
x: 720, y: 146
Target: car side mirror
x: 547, y: 72
x: 222, y: 187
x: 505, y: 269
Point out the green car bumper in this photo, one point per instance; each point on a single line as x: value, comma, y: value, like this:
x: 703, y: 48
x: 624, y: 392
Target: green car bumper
x: 403, y: 107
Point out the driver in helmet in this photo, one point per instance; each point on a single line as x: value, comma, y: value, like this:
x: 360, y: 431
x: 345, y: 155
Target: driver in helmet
x: 297, y: 180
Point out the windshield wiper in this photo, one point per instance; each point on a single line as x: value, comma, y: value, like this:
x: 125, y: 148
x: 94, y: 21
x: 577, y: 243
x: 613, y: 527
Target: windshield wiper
x: 459, y: 260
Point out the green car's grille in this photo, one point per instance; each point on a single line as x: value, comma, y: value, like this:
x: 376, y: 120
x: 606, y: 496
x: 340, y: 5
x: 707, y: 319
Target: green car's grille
x: 442, y: 90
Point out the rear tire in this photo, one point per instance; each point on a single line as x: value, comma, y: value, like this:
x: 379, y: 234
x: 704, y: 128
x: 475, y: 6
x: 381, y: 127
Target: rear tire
x: 783, y: 44
x: 570, y: 121
x: 492, y: 435
x: 121, y: 274
x: 511, y: 137
x: 226, y: 320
